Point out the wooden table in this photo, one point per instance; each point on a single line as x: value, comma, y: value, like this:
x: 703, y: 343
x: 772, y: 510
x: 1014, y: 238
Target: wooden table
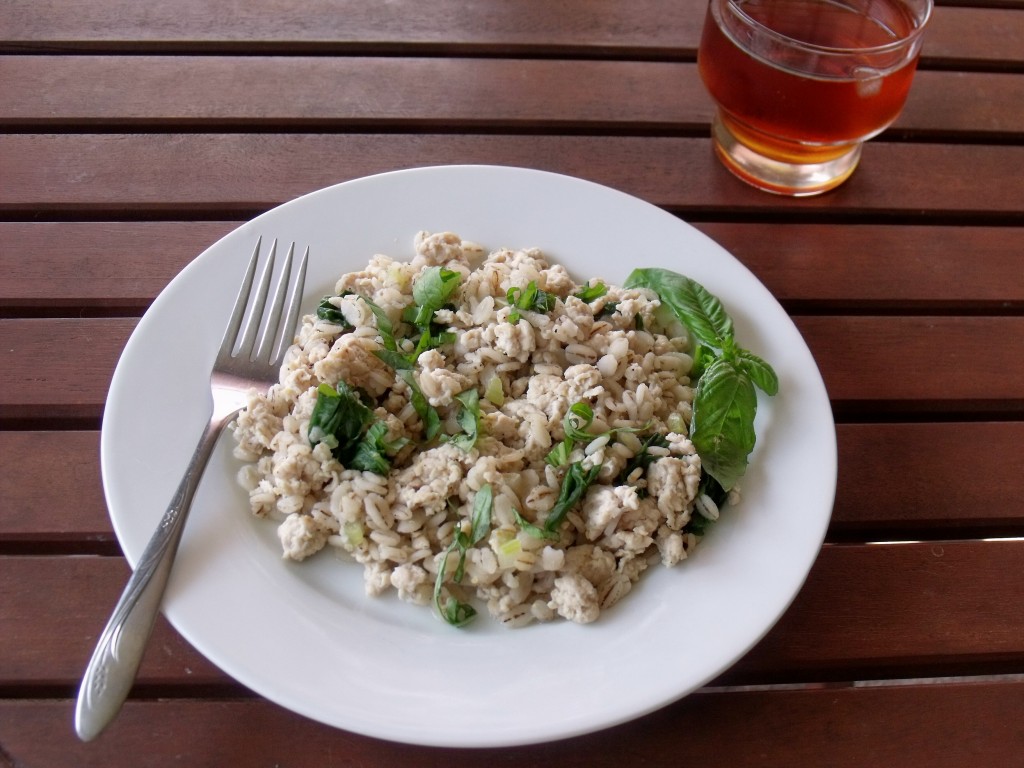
x: 133, y: 134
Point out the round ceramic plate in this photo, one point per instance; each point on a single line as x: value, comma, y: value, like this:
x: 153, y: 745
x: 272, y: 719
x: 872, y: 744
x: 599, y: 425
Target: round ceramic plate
x: 304, y: 635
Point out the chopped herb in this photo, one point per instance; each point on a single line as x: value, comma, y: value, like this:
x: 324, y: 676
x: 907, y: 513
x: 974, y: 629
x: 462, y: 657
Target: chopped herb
x: 326, y: 310
x: 454, y: 611
x: 534, y: 530
x: 575, y: 483
x: 698, y: 524
x: 356, y: 437
x: 642, y: 460
x: 559, y: 455
x: 339, y: 418
x: 373, y: 452
x: 384, y: 325
x: 468, y: 419
x: 575, y: 423
x: 430, y: 292
x: 432, y: 289
x: 591, y: 292
x: 531, y: 298
x: 427, y: 413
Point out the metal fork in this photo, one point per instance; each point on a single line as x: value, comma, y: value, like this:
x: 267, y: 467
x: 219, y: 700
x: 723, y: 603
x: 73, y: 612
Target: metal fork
x: 249, y: 357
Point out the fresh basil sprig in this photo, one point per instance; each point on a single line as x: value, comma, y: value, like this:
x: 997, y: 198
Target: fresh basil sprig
x: 455, y: 612
x: 725, y: 403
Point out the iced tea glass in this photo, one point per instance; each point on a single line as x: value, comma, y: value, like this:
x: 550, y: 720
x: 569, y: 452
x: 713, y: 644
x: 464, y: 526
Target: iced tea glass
x: 800, y: 85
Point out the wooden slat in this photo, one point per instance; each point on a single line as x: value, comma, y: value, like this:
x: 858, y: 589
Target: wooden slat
x: 51, y: 647
x: 847, y: 728
x: 119, y: 265
x: 920, y: 363
x: 925, y: 268
x: 41, y: 504
x: 245, y: 173
x: 934, y: 478
x: 642, y: 28
x: 915, y: 592
x: 57, y: 368
x: 887, y: 363
x: 947, y: 608
x: 636, y: 97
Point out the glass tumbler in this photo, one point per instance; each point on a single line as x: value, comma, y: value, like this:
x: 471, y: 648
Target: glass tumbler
x: 800, y: 85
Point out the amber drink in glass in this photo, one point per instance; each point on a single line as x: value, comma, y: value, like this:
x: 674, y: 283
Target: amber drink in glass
x: 800, y: 85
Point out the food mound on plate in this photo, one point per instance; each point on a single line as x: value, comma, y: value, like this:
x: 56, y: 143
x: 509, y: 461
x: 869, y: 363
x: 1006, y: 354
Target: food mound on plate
x: 480, y: 429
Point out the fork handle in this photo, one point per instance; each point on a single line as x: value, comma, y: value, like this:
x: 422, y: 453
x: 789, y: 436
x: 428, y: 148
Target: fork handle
x: 115, y: 661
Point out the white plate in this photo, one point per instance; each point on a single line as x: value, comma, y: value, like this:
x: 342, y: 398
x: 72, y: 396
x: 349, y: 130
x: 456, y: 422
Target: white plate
x: 305, y: 636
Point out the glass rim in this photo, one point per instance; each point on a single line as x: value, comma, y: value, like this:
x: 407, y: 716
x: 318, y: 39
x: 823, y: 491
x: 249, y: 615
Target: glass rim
x: 920, y: 22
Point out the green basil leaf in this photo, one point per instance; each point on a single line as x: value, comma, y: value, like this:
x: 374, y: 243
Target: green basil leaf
x: 434, y: 287
x: 722, y: 426
x: 575, y: 483
x: 427, y: 413
x: 700, y: 311
x: 397, y: 360
x: 643, y: 459
x: 481, y: 521
x: 468, y: 419
x: 456, y: 613
x: 325, y: 310
x: 759, y: 371
x: 590, y: 293
x: 384, y: 326
x: 534, y: 530
x: 530, y: 298
x: 373, y: 451
x: 341, y: 415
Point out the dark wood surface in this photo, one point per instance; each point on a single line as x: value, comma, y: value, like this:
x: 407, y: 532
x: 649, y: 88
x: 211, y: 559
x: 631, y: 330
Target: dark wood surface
x: 134, y: 134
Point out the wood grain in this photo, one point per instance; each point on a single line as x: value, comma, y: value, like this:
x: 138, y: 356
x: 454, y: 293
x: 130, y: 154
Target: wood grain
x: 224, y: 175
x: 947, y: 608
x: 348, y: 93
x: 908, y: 725
x: 934, y: 479
x: 41, y: 504
x: 39, y: 382
x: 64, y: 266
x: 896, y: 363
